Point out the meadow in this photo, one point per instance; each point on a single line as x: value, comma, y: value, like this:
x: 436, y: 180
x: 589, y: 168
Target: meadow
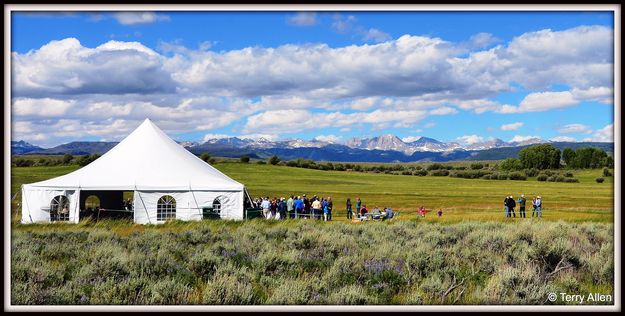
x: 309, y: 262
x: 460, y: 199
x: 472, y: 255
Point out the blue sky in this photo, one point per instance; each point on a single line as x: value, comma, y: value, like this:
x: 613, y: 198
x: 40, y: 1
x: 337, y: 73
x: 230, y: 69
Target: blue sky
x: 453, y: 76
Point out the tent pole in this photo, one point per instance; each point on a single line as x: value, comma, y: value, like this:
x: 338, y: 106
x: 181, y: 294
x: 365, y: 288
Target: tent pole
x: 197, y: 206
x: 144, y: 207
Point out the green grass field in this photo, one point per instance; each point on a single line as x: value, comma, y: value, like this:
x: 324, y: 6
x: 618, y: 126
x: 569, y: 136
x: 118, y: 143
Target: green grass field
x: 460, y: 199
x: 472, y: 256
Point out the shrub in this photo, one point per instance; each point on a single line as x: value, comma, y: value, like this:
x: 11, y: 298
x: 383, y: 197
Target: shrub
x: 292, y: 163
x: 439, y: 173
x: 20, y: 162
x: 357, y: 168
x: 568, y: 174
x: 571, y: 180
x: 606, y: 172
x: 245, y: 159
x: 420, y: 172
x: 542, y: 177
x: 261, y: 162
x: 477, y: 166
x: 274, y: 160
x: 532, y: 172
x: 510, y: 164
x: 517, y: 176
x: 435, y: 166
x: 502, y: 176
x: 212, y: 161
x: 600, y: 180
x: 552, y: 178
x: 406, y: 172
x: 418, y: 167
x: 560, y: 178
x: 205, y: 157
x: 461, y: 168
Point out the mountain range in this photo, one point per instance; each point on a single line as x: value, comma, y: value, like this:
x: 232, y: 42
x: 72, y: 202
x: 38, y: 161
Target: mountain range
x: 384, y: 148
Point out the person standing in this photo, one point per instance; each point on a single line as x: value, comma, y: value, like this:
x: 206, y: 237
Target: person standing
x: 298, y: 204
x: 348, y: 207
x: 306, y: 205
x: 282, y: 208
x: 273, y: 207
x: 358, y: 205
x: 265, y: 205
x: 506, y: 205
x: 289, y: 206
x: 316, y: 209
x: 522, y: 206
x: 440, y: 213
x: 511, y: 205
x: 329, y: 208
x: 539, y: 206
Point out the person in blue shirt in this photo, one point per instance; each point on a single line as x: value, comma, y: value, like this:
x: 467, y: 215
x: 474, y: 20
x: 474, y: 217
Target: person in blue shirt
x: 298, y: 204
x: 388, y: 213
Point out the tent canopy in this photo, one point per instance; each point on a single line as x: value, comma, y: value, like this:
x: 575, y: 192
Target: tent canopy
x: 147, y: 159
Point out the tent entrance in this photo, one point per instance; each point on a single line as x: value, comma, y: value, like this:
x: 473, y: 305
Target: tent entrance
x: 106, y: 204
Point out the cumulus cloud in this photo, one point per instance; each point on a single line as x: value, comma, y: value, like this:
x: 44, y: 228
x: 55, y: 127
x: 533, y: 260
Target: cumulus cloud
x: 375, y: 35
x: 563, y: 139
x: 303, y: 19
x: 130, y: 18
x: 605, y: 134
x: 512, y: 126
x: 395, y: 83
x: 521, y: 138
x: 574, y: 128
x: 470, y: 139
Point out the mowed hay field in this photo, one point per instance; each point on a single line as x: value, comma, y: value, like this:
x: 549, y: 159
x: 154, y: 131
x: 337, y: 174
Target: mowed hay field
x: 460, y: 199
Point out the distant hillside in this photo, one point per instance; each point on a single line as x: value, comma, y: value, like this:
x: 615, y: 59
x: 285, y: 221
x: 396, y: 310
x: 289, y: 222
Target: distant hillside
x: 513, y: 152
x: 21, y: 147
x: 78, y: 148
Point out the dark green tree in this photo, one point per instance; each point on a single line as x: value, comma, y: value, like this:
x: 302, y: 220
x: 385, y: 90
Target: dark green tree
x: 510, y: 164
x: 568, y: 155
x: 205, y: 156
x: 245, y: 159
x: 543, y: 156
x: 274, y: 160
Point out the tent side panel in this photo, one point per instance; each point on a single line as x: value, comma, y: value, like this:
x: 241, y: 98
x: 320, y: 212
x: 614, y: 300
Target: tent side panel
x: 36, y: 204
x: 146, y: 204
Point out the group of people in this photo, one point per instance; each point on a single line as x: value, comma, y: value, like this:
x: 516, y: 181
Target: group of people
x: 297, y: 207
x: 421, y: 211
x: 362, y: 211
x: 316, y: 208
x: 509, y: 205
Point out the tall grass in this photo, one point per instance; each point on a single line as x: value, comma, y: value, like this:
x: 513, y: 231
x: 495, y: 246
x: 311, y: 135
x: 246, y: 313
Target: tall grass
x: 306, y: 262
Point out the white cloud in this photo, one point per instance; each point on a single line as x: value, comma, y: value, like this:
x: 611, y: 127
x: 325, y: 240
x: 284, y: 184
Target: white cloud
x: 605, y: 134
x: 41, y: 107
x: 293, y: 121
x: 375, y: 35
x: 521, y: 138
x: 563, y: 139
x: 445, y: 110
x: 512, y: 126
x: 574, y: 128
x: 396, y: 83
x: 470, y: 139
x: 303, y: 19
x: 130, y: 18
x: 328, y: 138
x: 481, y: 40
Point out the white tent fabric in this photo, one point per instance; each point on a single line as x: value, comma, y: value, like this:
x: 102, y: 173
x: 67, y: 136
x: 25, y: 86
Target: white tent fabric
x: 149, y: 163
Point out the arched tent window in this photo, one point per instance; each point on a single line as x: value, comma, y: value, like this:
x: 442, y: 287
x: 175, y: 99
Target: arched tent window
x: 166, y: 208
x: 59, y: 208
x: 92, y: 202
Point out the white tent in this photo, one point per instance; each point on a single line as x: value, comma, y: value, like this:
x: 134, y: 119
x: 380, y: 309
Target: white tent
x: 168, y: 182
